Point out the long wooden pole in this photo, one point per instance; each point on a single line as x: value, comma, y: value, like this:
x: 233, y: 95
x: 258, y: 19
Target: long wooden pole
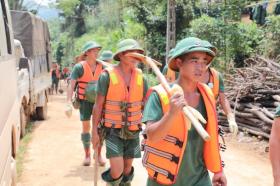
x: 95, y: 166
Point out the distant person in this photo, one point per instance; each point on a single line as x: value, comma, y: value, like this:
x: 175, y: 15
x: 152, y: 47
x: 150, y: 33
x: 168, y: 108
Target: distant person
x: 274, y: 147
x: 55, y: 74
x: 107, y: 56
x: 215, y: 82
x: 79, y: 58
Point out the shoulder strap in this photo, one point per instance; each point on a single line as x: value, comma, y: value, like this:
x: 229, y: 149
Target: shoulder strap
x: 164, y: 99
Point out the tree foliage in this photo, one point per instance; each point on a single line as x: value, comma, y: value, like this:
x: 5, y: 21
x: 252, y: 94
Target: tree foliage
x: 109, y: 21
x: 271, y: 41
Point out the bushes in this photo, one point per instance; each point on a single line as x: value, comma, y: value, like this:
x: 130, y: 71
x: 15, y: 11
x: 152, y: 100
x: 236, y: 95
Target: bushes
x: 271, y: 41
x: 235, y: 41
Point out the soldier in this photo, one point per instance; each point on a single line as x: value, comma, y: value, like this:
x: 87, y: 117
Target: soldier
x: 107, y: 56
x: 174, y: 153
x: 83, y: 73
x: 215, y: 81
x: 120, y: 93
x: 55, y: 74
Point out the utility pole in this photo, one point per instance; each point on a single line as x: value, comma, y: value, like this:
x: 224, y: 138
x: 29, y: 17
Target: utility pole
x: 171, y: 27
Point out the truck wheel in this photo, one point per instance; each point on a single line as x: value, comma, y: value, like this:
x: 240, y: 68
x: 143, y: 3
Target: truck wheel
x: 23, y: 122
x: 41, y: 112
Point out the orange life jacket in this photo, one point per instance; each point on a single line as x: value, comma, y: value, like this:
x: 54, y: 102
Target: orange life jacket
x: 214, y: 82
x: 123, y: 107
x: 162, y: 159
x: 170, y: 75
x: 87, y: 77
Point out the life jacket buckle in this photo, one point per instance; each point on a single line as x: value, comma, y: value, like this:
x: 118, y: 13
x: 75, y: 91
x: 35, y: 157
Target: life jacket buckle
x: 179, y: 143
x: 123, y: 106
x: 175, y: 159
x: 170, y: 176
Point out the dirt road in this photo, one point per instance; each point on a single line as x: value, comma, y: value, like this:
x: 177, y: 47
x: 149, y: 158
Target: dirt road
x: 55, y: 154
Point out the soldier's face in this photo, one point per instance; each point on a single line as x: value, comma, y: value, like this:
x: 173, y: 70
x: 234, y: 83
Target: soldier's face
x: 93, y: 53
x: 193, y: 65
x: 129, y: 60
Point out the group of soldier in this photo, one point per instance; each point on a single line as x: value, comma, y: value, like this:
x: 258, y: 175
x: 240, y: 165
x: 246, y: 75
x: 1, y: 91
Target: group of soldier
x: 122, y: 105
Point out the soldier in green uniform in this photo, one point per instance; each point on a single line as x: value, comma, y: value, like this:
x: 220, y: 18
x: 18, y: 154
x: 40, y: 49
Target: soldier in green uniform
x: 107, y: 56
x: 120, y: 93
x: 84, y: 72
x: 189, y: 60
x: 215, y: 81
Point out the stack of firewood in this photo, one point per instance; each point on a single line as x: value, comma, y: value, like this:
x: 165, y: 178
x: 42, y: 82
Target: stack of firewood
x: 254, y: 93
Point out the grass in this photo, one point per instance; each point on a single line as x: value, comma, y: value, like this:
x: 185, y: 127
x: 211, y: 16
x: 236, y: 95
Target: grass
x: 23, y: 148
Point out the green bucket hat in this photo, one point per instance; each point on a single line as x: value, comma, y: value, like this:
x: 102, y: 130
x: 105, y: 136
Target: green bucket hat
x: 170, y: 53
x: 90, y: 45
x: 106, y: 55
x: 207, y: 44
x: 127, y: 45
x: 188, y: 45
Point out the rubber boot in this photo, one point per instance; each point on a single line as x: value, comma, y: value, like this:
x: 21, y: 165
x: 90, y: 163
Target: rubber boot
x: 126, y: 181
x: 106, y: 176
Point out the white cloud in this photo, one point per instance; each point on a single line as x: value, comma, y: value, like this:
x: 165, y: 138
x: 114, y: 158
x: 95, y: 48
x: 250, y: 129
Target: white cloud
x: 44, y: 2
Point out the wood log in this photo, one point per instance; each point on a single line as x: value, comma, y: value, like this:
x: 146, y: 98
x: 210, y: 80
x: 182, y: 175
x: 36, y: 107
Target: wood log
x: 276, y: 98
x: 254, y: 93
x: 269, y: 92
x: 276, y: 104
x: 267, y: 113
x: 261, y: 115
x: 250, y: 121
x: 249, y: 127
x: 256, y: 133
x: 244, y: 114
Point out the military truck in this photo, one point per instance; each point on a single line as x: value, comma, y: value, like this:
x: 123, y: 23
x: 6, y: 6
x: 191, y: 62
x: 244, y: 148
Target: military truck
x: 34, y: 62
x: 9, y: 112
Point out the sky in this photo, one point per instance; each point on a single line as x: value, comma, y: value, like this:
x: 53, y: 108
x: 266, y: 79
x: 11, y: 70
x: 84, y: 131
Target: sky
x: 44, y: 2
x: 44, y: 11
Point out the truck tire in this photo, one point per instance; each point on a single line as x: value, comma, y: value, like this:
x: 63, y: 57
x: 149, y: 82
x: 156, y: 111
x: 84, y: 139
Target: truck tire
x: 41, y: 112
x: 23, y: 122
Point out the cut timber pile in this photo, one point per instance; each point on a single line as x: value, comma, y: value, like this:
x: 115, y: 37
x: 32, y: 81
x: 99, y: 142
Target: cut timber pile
x: 254, y: 93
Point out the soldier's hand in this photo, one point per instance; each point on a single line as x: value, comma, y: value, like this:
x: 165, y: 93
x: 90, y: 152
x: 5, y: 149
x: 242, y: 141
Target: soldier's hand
x: 177, y: 102
x: 95, y: 140
x: 233, y: 128
x: 68, y: 110
x: 219, y: 179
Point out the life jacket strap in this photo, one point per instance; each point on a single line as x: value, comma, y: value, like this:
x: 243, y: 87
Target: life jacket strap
x: 163, y: 154
x: 129, y: 123
x: 174, y: 140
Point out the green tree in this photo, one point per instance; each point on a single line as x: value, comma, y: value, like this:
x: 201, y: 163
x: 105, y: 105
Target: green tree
x: 271, y: 41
